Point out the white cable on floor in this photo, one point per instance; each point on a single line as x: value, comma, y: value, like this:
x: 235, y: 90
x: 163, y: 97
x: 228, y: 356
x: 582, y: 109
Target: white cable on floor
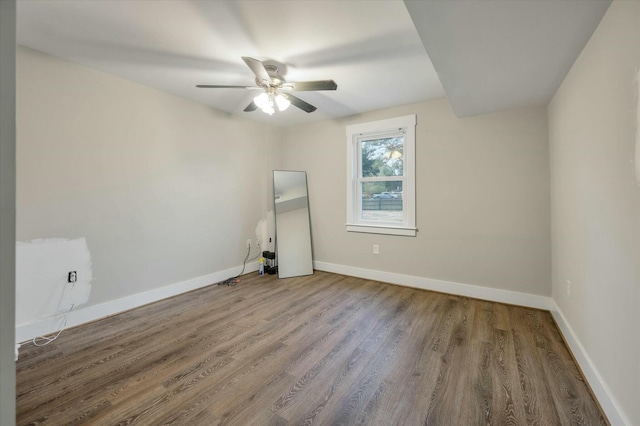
x: 50, y: 339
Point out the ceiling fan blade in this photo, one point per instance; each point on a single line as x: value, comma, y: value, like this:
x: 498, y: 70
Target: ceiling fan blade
x: 306, y: 107
x: 301, y: 86
x: 258, y: 69
x: 222, y: 86
x: 251, y: 107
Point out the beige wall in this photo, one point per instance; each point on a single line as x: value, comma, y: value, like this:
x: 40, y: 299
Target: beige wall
x: 482, y: 198
x: 163, y: 189
x: 596, y: 202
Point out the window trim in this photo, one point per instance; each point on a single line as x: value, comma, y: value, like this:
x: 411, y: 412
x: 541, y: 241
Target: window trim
x: 355, y: 133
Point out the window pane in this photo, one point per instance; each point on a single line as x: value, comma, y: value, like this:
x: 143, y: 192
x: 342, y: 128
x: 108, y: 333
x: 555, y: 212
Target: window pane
x: 382, y: 157
x: 382, y: 201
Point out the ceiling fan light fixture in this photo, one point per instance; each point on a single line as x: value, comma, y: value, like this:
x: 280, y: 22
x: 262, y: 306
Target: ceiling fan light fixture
x: 264, y: 101
x: 268, y: 101
x: 282, y: 102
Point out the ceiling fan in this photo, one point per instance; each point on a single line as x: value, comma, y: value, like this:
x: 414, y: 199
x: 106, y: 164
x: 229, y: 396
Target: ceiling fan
x: 275, y: 88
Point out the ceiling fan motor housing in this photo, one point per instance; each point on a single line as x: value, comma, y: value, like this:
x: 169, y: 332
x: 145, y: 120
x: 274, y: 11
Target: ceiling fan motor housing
x: 276, y: 79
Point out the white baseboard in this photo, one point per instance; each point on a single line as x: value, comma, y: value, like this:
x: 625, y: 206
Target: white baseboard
x: 607, y: 401
x: 50, y: 325
x: 468, y: 290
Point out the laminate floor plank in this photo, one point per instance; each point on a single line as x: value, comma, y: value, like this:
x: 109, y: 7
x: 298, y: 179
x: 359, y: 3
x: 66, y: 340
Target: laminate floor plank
x: 411, y: 381
x: 536, y: 392
x: 123, y: 362
x: 339, y: 402
x: 564, y: 378
x: 446, y: 398
x: 322, y: 349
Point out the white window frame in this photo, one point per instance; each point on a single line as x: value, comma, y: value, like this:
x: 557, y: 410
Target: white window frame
x: 382, y: 128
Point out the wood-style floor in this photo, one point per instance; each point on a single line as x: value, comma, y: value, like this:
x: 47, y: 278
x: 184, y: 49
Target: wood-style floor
x: 324, y: 349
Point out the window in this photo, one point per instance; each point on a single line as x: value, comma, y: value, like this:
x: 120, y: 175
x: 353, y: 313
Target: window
x: 380, y: 169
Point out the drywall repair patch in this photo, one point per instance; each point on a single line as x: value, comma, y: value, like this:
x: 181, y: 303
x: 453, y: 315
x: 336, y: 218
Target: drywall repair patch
x: 42, y: 275
x: 266, y: 229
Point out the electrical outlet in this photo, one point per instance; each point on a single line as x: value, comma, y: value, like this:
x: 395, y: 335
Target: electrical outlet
x: 72, y: 277
x: 249, y: 243
x: 376, y: 249
x: 569, y: 289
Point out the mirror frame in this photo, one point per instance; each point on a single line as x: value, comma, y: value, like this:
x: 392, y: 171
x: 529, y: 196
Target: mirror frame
x: 294, y: 251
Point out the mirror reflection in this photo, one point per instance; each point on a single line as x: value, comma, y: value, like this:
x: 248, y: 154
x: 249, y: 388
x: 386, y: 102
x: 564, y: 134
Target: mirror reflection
x: 293, y: 230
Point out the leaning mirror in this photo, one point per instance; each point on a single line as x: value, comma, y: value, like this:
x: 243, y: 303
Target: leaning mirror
x: 293, y: 230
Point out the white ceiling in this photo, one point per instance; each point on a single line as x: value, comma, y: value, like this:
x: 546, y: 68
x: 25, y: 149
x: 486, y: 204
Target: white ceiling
x: 490, y: 54
x: 495, y: 54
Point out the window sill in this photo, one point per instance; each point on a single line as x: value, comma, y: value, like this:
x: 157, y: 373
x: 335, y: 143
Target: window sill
x: 380, y: 229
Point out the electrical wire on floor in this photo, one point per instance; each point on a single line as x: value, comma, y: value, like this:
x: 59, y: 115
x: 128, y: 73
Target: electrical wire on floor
x: 38, y: 341
x: 48, y: 339
x: 235, y: 280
